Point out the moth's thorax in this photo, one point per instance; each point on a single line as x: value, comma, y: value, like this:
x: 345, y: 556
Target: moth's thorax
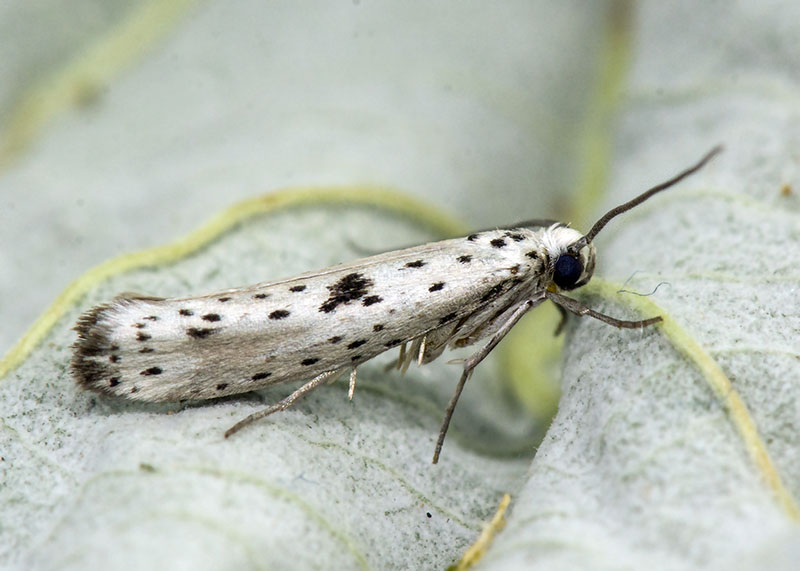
x: 541, y: 257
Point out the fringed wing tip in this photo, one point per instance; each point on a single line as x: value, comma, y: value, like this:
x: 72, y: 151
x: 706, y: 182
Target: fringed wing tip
x: 93, y: 342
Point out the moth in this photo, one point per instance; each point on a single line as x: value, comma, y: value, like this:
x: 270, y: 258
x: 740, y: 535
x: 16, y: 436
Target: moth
x: 316, y: 326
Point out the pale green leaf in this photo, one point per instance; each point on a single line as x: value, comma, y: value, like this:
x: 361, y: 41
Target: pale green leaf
x: 673, y: 448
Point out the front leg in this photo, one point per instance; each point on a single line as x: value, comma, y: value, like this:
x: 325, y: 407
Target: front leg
x: 579, y: 309
x: 472, y: 362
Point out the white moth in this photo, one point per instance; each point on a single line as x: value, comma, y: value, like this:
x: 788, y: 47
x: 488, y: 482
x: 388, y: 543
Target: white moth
x: 321, y: 324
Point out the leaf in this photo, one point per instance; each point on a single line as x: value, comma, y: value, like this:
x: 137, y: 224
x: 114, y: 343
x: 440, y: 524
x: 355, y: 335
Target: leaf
x: 651, y: 461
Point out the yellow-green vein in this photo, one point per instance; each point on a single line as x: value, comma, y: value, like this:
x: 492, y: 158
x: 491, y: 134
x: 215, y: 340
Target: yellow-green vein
x: 82, y: 78
x: 737, y: 410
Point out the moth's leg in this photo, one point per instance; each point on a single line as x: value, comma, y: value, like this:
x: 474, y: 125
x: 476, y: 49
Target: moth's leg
x: 578, y: 308
x: 470, y: 363
x: 411, y: 354
x: 285, y: 403
x: 421, y: 352
x: 351, y: 391
x: 401, y: 358
x: 562, y: 322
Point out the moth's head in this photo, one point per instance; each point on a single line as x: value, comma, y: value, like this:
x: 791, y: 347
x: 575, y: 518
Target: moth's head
x: 572, y: 260
x: 572, y: 255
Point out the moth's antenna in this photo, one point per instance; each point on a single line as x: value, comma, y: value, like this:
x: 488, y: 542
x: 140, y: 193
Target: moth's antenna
x: 600, y: 224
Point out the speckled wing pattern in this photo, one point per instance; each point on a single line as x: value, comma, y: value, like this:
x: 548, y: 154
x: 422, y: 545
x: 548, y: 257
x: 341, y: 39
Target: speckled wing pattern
x: 452, y: 292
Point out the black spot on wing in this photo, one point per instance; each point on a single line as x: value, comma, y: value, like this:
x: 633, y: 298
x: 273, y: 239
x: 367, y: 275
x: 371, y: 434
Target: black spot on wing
x: 297, y: 288
x: 260, y: 376
x: 371, y: 300
x: 200, y: 332
x: 335, y: 339
x: 498, y: 243
x: 464, y: 259
x: 472, y: 237
x: 516, y: 236
x: 279, y: 314
x: 261, y: 296
x: 533, y: 254
x: 438, y: 286
x: 151, y: 318
x: 350, y: 288
x: 146, y: 350
x: 224, y: 299
x: 222, y: 386
x: 378, y: 327
x: 186, y: 312
x: 113, y: 381
x: 139, y: 325
x: 152, y: 371
x: 415, y: 264
x: 309, y: 361
x: 211, y: 317
x: 393, y: 343
x: 357, y: 343
x: 143, y: 336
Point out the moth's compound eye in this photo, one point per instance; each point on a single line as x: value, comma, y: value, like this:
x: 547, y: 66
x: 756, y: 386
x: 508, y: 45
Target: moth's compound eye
x: 567, y: 272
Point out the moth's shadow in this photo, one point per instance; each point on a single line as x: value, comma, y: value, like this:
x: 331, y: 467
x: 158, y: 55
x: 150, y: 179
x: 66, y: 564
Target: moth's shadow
x: 417, y: 399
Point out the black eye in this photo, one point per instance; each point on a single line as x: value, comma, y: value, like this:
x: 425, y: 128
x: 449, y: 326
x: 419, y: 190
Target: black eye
x: 567, y: 272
